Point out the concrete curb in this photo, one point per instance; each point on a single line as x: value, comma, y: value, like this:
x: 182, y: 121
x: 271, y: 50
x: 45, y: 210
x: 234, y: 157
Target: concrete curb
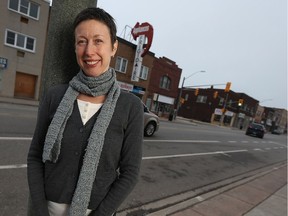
x: 178, y: 202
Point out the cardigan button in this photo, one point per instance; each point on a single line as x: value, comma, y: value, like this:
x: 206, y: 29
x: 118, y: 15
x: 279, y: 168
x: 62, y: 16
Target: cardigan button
x: 81, y: 130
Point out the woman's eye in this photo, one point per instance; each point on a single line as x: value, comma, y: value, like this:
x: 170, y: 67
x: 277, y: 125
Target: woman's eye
x: 81, y: 42
x: 98, y: 41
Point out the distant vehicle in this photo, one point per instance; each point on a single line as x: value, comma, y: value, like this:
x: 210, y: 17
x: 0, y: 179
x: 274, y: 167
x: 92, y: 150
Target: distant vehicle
x: 256, y: 130
x: 277, y: 131
x: 151, y: 122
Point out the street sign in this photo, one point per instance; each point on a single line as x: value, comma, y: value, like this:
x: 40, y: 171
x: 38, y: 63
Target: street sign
x: 3, y: 63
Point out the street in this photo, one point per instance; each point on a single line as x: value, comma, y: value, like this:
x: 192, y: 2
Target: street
x: 180, y: 157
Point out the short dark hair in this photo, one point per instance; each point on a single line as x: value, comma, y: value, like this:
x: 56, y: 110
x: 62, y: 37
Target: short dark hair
x: 100, y: 15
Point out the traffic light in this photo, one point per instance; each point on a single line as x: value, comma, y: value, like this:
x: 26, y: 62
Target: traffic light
x: 215, y: 95
x: 240, y: 102
x: 196, y: 92
x: 228, y: 85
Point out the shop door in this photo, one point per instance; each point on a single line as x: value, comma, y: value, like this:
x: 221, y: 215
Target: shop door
x: 25, y: 85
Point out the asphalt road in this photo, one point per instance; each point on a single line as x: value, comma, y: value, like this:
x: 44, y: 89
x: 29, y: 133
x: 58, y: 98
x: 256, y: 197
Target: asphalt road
x: 180, y: 157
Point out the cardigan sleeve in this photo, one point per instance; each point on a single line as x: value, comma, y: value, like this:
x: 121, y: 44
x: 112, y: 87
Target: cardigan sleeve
x: 130, y: 161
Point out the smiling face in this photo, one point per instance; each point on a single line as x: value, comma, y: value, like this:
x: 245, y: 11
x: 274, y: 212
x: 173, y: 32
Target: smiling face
x: 93, y: 47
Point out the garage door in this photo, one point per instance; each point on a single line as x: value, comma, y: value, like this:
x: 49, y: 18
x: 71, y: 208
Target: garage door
x: 25, y: 85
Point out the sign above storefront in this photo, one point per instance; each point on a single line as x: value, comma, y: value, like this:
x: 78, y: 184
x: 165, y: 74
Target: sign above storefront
x: 126, y: 86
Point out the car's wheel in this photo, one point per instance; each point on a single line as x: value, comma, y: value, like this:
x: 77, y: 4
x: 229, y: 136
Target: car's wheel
x: 149, y: 129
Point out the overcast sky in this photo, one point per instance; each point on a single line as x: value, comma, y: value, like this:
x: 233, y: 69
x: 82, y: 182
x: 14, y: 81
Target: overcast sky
x: 241, y: 41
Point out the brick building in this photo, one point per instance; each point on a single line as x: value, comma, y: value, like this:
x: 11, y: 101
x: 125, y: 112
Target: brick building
x: 223, y: 109
x: 123, y: 65
x: 163, y: 86
x: 158, y: 81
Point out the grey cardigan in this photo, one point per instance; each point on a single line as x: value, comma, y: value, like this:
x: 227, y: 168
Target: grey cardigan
x: 119, y: 162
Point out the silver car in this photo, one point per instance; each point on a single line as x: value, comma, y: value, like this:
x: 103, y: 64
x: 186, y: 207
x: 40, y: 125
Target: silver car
x: 151, y: 122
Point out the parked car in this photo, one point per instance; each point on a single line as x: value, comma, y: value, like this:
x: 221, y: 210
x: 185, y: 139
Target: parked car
x: 256, y: 130
x: 151, y: 122
x: 277, y: 131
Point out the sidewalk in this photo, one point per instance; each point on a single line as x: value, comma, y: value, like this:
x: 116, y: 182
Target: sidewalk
x: 19, y: 101
x: 264, y: 194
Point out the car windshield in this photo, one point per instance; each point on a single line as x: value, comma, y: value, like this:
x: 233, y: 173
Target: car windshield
x: 257, y: 126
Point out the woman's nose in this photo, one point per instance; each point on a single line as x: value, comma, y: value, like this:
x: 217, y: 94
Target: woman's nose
x: 89, y: 49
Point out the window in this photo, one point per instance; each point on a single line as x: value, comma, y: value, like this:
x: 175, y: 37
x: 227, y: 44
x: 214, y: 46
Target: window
x: 21, y: 41
x: 144, y: 72
x: 25, y: 7
x: 221, y: 102
x: 186, y: 97
x: 201, y: 99
x: 121, y: 64
x: 165, y: 82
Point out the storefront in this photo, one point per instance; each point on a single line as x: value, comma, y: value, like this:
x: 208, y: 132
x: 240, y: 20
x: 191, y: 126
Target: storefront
x: 162, y: 105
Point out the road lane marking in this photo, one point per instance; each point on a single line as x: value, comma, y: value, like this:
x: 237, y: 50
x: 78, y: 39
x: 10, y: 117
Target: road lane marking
x: 15, y: 138
x: 184, y: 141
x: 199, y: 198
x: 192, y: 154
x: 278, y: 144
x: 16, y: 166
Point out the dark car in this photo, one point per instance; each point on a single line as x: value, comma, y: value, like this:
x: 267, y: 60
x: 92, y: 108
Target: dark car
x: 151, y: 122
x: 256, y: 130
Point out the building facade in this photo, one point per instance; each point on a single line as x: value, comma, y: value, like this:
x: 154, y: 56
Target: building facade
x: 158, y: 80
x: 23, y: 27
x: 123, y: 65
x: 163, y: 86
x: 218, y: 107
x: 275, y: 119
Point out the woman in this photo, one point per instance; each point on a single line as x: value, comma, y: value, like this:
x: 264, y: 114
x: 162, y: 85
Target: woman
x: 86, y: 151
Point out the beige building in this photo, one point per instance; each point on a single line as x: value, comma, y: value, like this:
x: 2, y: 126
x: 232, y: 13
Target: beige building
x: 23, y: 28
x: 259, y: 114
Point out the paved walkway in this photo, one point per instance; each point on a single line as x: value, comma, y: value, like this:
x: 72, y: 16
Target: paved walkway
x: 262, y: 192
x: 263, y: 196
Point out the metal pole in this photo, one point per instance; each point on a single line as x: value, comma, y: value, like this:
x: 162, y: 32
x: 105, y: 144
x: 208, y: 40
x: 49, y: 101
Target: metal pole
x: 224, y: 108
x: 181, y: 89
x: 179, y: 97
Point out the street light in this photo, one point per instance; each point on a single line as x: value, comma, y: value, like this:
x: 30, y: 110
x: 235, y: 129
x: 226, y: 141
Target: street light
x: 181, y: 89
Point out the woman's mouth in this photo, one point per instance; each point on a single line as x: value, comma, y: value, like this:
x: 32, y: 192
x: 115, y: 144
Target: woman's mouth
x: 91, y: 63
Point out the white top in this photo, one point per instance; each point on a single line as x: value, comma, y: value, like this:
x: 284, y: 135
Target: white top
x: 87, y: 110
x: 60, y: 209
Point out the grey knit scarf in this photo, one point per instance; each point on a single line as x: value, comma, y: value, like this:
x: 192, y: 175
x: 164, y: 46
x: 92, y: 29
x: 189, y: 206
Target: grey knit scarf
x: 105, y: 84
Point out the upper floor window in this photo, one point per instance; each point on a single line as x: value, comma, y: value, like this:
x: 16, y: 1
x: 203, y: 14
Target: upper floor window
x: 21, y: 41
x: 121, y: 64
x: 25, y: 7
x: 165, y: 82
x: 144, y: 72
x: 221, y: 102
x: 201, y: 99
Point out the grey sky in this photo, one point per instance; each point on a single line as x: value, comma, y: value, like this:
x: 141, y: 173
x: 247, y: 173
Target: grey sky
x: 241, y: 41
